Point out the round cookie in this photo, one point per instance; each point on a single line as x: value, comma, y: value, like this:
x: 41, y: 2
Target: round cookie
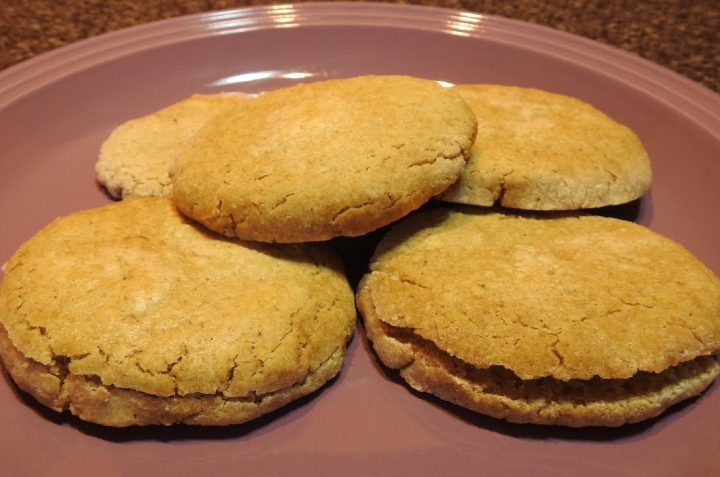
x: 129, y: 314
x: 563, y: 319
x: 135, y: 158
x: 333, y: 158
x: 537, y: 150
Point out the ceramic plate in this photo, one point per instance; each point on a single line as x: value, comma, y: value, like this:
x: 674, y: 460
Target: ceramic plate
x: 56, y: 110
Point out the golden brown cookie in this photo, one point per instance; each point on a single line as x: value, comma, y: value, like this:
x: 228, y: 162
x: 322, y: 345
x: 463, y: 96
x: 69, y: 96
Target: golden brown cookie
x: 333, y: 158
x: 537, y: 150
x: 135, y: 158
x: 129, y: 314
x: 564, y: 319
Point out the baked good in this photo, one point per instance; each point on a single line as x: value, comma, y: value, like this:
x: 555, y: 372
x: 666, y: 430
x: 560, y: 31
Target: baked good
x: 565, y: 319
x: 134, y: 159
x: 129, y: 314
x: 314, y: 161
x: 537, y: 150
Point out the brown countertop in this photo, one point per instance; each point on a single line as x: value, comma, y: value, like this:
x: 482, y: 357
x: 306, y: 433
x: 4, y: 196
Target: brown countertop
x: 682, y: 35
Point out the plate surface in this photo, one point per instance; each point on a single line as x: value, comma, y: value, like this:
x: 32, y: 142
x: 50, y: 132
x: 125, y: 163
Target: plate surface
x: 56, y: 110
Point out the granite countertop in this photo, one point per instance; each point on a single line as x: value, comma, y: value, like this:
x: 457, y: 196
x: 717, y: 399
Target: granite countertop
x: 682, y: 35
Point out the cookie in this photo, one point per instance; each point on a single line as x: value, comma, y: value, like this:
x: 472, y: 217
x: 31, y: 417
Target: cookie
x: 537, y: 150
x: 333, y: 158
x: 129, y: 314
x: 563, y: 319
x: 134, y: 159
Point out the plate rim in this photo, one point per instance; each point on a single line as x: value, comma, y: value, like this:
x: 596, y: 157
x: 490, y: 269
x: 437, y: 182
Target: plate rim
x: 696, y: 101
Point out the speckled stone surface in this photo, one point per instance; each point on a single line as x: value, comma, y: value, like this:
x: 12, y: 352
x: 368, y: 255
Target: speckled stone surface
x: 682, y: 35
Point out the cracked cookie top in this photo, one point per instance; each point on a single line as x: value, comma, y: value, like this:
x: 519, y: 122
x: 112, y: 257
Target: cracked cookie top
x: 537, y: 150
x: 137, y: 297
x: 568, y: 296
x: 333, y: 158
x: 135, y: 158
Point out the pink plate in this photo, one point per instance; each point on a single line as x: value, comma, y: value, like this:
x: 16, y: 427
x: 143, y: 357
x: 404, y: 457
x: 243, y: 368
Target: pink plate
x: 56, y: 110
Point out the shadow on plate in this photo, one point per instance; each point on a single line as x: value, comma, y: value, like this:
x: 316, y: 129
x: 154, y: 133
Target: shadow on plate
x: 546, y: 432
x: 534, y: 431
x: 105, y: 192
x: 173, y: 433
x: 639, y: 211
